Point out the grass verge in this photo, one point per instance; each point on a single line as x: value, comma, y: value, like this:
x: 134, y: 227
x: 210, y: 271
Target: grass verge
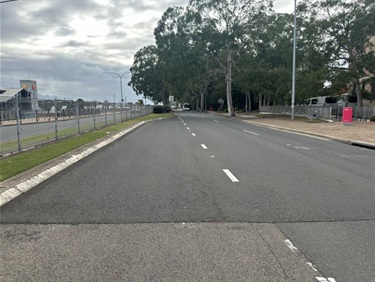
x: 23, y: 161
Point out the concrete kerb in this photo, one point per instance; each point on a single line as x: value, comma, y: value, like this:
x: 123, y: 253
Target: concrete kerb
x: 345, y: 141
x: 25, y: 184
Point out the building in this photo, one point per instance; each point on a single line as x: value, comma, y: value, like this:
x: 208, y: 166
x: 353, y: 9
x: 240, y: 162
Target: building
x: 25, y: 99
x: 30, y: 95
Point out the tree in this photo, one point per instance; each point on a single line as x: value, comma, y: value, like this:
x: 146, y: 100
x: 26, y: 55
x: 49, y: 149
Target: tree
x: 225, y: 29
x: 345, y: 31
x: 147, y: 74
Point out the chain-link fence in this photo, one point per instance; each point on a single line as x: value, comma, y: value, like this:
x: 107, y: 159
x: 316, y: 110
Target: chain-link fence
x: 56, y: 119
x: 327, y: 113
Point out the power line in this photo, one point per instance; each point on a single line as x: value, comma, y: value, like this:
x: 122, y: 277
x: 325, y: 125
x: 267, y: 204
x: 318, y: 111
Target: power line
x: 7, y: 1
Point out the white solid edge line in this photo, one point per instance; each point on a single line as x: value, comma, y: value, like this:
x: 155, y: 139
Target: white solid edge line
x: 204, y: 146
x: 230, y: 175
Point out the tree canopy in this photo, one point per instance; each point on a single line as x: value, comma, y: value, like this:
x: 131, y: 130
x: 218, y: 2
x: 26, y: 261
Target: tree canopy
x: 237, y: 49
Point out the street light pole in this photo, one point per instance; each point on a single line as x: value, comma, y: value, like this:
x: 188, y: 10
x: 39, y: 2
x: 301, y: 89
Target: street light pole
x: 294, y: 60
x: 122, y: 99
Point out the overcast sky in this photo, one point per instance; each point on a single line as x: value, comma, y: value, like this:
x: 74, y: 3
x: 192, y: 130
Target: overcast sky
x: 66, y: 45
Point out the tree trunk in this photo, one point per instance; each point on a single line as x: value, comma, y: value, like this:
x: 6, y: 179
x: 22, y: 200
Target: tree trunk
x: 202, y: 101
x: 249, y: 99
x: 246, y: 103
x: 229, y: 85
x: 359, y: 92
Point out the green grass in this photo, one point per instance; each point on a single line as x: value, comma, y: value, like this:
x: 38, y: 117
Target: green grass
x: 34, y: 140
x: 23, y: 161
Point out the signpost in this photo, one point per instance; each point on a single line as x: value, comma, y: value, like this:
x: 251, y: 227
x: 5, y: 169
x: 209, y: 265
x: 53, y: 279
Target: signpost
x: 221, y: 102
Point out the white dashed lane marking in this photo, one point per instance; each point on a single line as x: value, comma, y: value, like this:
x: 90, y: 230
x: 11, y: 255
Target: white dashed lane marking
x: 230, y: 175
x: 251, y: 132
x: 193, y: 134
x: 204, y: 146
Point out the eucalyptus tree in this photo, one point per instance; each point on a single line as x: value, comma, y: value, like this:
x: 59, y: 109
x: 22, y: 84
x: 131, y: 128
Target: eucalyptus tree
x: 187, y: 65
x: 266, y: 66
x: 147, y: 74
x: 171, y: 42
x: 345, y: 29
x: 225, y: 29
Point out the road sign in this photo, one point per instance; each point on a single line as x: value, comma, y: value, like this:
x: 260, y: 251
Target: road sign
x: 221, y: 101
x: 171, y: 98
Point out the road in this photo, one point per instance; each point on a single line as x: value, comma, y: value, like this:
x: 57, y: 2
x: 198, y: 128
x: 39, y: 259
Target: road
x: 199, y: 198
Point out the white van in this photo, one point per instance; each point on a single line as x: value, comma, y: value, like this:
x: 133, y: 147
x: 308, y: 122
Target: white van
x: 347, y: 100
x: 186, y: 107
x: 322, y: 101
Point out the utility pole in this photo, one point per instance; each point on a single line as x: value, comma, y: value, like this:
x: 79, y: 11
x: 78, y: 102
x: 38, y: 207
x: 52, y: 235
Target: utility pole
x: 294, y: 59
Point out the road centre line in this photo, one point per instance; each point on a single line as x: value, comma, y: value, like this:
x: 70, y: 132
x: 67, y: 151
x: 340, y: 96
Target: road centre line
x: 230, y: 175
x: 193, y: 134
x: 251, y: 132
x: 188, y: 128
x: 204, y: 146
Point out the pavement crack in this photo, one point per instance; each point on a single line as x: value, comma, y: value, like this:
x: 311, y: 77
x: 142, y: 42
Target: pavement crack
x: 273, y: 254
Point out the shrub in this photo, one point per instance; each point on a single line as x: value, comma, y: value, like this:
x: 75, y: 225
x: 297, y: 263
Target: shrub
x: 372, y: 118
x: 158, y: 109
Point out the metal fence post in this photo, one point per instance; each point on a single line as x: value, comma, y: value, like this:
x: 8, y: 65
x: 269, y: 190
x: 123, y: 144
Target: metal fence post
x: 114, y: 112
x: 56, y: 118
x: 105, y: 113
x: 94, y: 114
x: 18, y: 124
x: 77, y: 115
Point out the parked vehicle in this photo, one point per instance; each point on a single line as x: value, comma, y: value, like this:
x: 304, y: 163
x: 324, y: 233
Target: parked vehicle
x: 322, y: 101
x: 347, y: 100
x: 186, y: 107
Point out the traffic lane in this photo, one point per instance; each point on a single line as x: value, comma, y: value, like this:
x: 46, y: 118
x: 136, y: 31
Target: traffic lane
x: 158, y: 173
x: 343, y: 156
x: 350, y: 157
x: 309, y: 199
x: 283, y: 184
x: 344, y: 250
x: 149, y: 252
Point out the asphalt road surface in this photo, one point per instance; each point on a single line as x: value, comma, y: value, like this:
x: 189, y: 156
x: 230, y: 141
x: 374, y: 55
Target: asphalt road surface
x: 199, y: 198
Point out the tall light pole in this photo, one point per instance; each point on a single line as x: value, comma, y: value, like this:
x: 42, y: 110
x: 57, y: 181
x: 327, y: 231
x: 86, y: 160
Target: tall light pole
x: 120, y: 76
x: 294, y: 59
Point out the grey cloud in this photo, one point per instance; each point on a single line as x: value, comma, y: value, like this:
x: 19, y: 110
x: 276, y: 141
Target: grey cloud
x: 73, y: 43
x: 64, y: 31
x: 117, y: 34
